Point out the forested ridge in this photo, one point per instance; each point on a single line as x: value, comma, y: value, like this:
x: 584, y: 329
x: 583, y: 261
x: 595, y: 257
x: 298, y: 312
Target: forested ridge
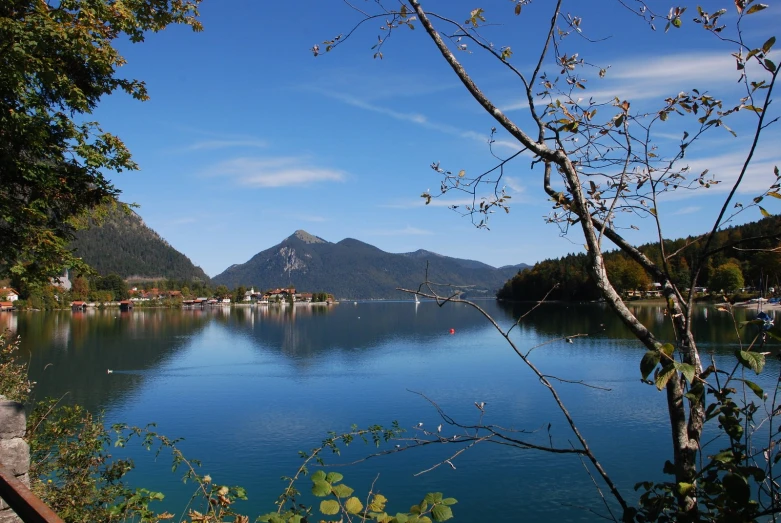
x: 753, y: 256
x: 124, y: 245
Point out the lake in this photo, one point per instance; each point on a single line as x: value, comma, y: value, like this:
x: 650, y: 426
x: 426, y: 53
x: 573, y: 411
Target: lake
x: 249, y: 387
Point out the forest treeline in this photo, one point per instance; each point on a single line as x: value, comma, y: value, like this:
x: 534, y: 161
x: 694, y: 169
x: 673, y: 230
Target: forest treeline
x: 121, y: 243
x: 750, y: 263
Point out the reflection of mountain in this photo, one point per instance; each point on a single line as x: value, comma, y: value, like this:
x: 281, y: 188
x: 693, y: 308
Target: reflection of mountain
x: 65, y: 344
x: 303, y: 333
x: 354, y: 269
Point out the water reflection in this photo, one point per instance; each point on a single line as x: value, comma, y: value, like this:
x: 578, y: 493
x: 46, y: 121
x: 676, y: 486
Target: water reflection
x: 267, y: 382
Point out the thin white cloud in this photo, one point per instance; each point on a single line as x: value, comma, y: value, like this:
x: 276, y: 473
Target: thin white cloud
x: 420, y: 202
x: 407, y: 231
x: 273, y: 172
x: 225, y: 144
x: 514, y: 184
x: 687, y: 210
x: 644, y: 78
x: 419, y: 119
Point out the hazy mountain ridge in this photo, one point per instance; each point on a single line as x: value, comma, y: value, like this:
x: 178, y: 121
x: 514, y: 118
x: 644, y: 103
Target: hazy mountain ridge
x: 124, y: 245
x: 353, y: 269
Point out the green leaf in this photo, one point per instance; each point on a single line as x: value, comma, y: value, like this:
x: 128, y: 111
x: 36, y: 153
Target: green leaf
x: 753, y: 360
x: 696, y: 391
x: 441, y: 513
x: 687, y: 371
x: 342, y: 491
x: 764, y: 212
x: 318, y: 476
x: 684, y: 488
x: 321, y: 488
x: 449, y: 501
x: 329, y: 507
x: 725, y: 456
x: 433, y: 497
x: 401, y: 518
x: 664, y: 376
x: 756, y: 8
x: 649, y: 362
x: 333, y: 477
x: 737, y: 487
x: 756, y: 389
x: 770, y: 65
x: 668, y: 349
x: 353, y: 505
x: 774, y: 194
x: 767, y: 45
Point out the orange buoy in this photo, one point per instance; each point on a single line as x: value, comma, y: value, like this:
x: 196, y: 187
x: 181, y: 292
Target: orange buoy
x: 452, y: 331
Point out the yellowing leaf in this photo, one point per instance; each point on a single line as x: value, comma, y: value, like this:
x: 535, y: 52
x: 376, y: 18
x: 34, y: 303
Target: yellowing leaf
x: 353, y: 505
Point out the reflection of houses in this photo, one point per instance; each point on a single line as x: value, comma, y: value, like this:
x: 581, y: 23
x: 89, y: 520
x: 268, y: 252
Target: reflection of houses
x: 6, y: 306
x: 125, y: 305
x: 79, y: 306
x: 8, y: 294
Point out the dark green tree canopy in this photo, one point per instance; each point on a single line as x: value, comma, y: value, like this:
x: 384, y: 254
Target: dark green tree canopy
x: 56, y: 61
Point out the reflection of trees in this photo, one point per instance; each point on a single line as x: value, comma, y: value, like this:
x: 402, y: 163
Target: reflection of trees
x: 555, y: 320
x: 71, y: 352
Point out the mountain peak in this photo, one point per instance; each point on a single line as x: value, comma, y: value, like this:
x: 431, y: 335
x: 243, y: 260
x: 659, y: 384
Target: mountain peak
x: 305, y: 237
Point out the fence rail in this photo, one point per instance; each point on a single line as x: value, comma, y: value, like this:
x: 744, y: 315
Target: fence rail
x: 26, y: 504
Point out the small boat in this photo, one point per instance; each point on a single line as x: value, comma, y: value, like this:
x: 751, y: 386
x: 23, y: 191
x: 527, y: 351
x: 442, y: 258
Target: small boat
x: 417, y: 299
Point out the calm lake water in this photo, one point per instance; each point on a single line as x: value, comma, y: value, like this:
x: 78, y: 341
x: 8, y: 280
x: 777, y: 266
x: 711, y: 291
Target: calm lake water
x: 250, y: 387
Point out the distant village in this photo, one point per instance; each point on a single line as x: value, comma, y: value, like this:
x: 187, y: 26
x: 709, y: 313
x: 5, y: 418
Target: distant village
x: 77, y: 295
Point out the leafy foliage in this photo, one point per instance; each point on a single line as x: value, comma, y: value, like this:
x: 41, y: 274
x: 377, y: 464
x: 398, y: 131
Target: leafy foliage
x: 14, y: 383
x: 350, y: 508
x: 58, y: 62
x: 574, y: 283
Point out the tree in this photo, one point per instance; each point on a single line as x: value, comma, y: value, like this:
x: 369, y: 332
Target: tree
x: 221, y: 291
x: 605, y: 163
x: 80, y: 288
x: 238, y: 295
x: 58, y: 61
x: 727, y: 278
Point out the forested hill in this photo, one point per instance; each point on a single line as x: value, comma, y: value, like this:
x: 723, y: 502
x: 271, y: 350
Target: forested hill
x: 354, y: 269
x: 124, y: 245
x: 574, y: 283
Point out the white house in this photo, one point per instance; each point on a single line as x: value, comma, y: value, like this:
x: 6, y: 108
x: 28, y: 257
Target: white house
x: 8, y: 294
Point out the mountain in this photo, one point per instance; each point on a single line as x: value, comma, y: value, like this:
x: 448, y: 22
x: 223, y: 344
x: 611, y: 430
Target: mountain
x: 353, y: 269
x: 124, y: 245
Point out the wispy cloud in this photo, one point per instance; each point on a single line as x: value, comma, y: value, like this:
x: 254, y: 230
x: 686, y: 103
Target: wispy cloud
x: 407, y: 231
x: 514, y: 184
x: 420, y: 202
x: 225, y: 144
x: 686, y: 210
x: 418, y: 119
x: 273, y: 172
x: 644, y: 78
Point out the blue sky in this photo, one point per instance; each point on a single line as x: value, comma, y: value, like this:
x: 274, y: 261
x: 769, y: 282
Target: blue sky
x: 248, y: 137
